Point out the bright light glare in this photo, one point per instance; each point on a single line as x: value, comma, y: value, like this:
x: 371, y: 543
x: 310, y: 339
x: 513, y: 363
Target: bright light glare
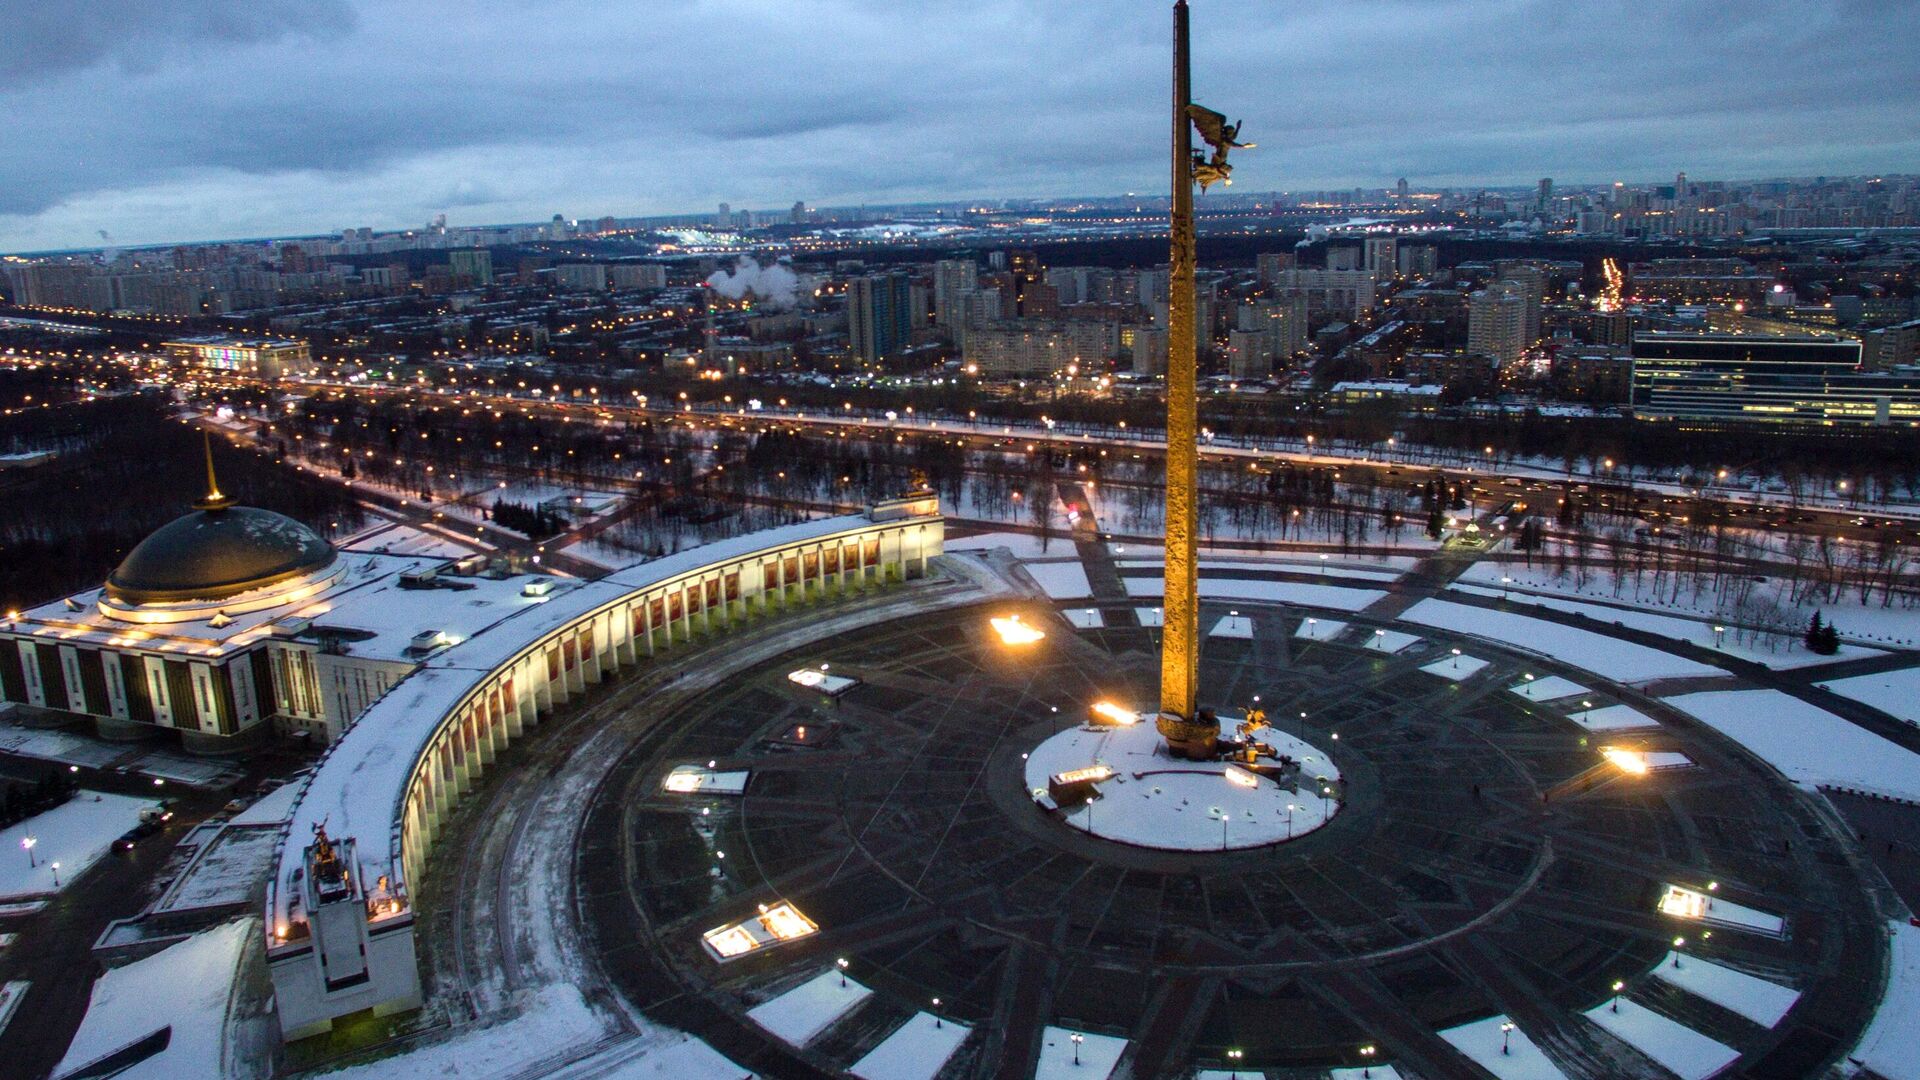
x: 1014, y: 632
x: 1242, y: 777
x: 1114, y: 714
x: 1683, y: 903
x: 1629, y: 761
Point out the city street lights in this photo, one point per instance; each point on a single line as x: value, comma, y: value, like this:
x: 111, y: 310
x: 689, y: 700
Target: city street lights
x: 842, y: 965
x: 1366, y: 1058
x: 27, y: 843
x: 1719, y: 637
x: 1506, y: 1037
x: 1379, y: 638
x: 1529, y: 677
x: 1678, y: 943
x: 1313, y: 626
x: 1076, y: 1039
x: 1617, y: 987
x: 1456, y: 659
x: 1586, y: 707
x: 936, y: 1014
x: 1234, y: 1056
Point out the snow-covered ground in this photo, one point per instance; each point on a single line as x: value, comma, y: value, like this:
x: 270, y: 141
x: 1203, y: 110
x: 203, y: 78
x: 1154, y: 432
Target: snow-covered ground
x: 1319, y: 629
x: 1810, y: 745
x: 1279, y: 592
x: 1376, y: 1072
x: 1682, y: 1050
x: 1612, y: 718
x: 1855, y: 621
x: 1084, y: 618
x: 1233, y: 626
x: 1551, y: 688
x: 74, y: 834
x: 1391, y: 641
x: 1790, y: 653
x: 1896, y: 693
x: 1509, y: 1055
x: 1022, y: 545
x: 1230, y: 554
x: 1098, y: 1054
x: 1154, y: 800
x: 1061, y: 580
x: 186, y: 986
x: 1225, y: 567
x: 810, y: 1008
x: 1757, y: 999
x: 1888, y: 1047
x: 915, y: 1051
x: 1456, y: 668
x: 1621, y: 661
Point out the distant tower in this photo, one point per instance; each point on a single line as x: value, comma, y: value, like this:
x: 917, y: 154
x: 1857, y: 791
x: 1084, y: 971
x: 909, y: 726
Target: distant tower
x: 1400, y: 189
x: 724, y: 219
x: 800, y: 212
x: 1545, y: 197
x: 1680, y: 185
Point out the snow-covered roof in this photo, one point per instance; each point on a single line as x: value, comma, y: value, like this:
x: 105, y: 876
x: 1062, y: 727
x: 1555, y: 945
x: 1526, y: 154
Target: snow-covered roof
x: 359, y: 786
x: 185, y: 986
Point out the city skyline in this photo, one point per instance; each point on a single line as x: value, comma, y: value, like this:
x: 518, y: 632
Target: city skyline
x: 217, y: 122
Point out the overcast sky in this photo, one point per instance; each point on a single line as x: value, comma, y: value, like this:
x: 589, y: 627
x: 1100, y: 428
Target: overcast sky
x: 213, y: 119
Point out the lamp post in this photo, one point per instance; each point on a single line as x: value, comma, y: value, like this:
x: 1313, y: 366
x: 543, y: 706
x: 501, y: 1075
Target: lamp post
x: 56, y: 874
x: 1313, y: 627
x: 936, y: 1014
x: 1366, y: 1058
x: 1719, y: 637
x: 1586, y: 708
x: 1678, y: 944
x: 1323, y: 565
x: 27, y: 843
x: 1076, y: 1039
x: 1456, y: 659
x: 1505, y: 582
x: 1233, y: 1056
x: 1617, y: 987
x: 842, y: 965
x: 1529, y: 678
x: 1289, y: 821
x: 1380, y: 639
x: 1506, y: 1037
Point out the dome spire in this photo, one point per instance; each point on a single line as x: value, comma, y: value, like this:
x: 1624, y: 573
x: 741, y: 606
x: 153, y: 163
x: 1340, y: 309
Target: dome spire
x: 213, y: 500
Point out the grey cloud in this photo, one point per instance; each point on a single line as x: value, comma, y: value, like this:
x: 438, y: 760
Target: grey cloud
x: 382, y: 112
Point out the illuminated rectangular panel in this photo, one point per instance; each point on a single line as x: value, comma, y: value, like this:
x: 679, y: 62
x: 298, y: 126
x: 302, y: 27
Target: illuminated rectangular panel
x: 1014, y: 632
x: 1095, y: 773
x: 775, y: 924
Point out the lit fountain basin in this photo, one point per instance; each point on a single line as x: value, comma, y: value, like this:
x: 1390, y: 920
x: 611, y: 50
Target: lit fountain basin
x: 1158, y: 801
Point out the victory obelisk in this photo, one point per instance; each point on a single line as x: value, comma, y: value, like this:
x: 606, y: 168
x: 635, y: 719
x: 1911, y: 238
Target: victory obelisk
x: 1190, y: 731
x: 1187, y: 733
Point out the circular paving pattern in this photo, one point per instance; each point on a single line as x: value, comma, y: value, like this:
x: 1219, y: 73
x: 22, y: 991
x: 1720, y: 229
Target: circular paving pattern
x: 1488, y: 861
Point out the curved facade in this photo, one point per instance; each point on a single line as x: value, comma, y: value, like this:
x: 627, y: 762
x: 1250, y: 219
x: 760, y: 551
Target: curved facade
x: 340, y: 928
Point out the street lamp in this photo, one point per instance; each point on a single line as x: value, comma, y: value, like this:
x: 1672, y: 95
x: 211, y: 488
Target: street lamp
x: 1234, y: 1056
x: 1076, y: 1039
x: 56, y: 874
x: 1323, y: 565
x: 1456, y: 659
x: 1719, y: 636
x: 1617, y: 987
x: 1506, y: 1037
x: 1586, y: 707
x: 842, y: 965
x: 1505, y: 581
x: 28, y: 842
x: 1529, y: 678
x: 936, y: 1014
x: 1678, y: 943
x: 1312, y: 628
x: 1366, y: 1057
x: 1379, y: 638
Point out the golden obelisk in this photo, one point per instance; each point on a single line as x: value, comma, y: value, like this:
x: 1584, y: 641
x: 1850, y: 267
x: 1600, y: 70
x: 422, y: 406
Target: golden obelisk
x: 1180, y: 636
x: 1189, y: 730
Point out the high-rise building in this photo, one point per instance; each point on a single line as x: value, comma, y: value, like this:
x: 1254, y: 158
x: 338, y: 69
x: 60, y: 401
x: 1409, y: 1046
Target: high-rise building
x: 1249, y: 354
x: 1497, y: 322
x: 1381, y: 258
x: 1543, y: 197
x: 1418, y: 261
x: 1270, y: 263
x: 953, y: 281
x: 879, y: 315
x: 1531, y: 283
x: 1285, y: 320
x: 476, y: 265
x: 799, y: 214
x: 724, y: 219
x: 1146, y: 347
x: 637, y: 276
x: 1039, y: 348
x: 1343, y: 257
x: 1346, y: 293
x: 1400, y: 189
x: 581, y: 277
